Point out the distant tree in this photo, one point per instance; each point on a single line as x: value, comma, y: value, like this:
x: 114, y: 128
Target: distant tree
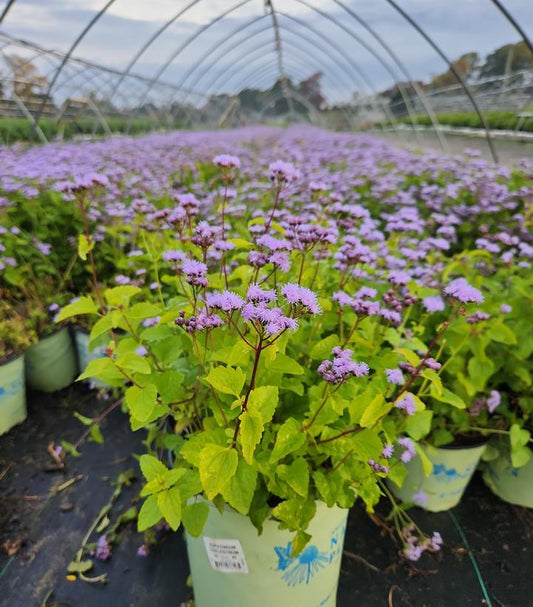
x: 311, y: 89
x: 27, y: 82
x: 464, y: 66
x: 507, y: 58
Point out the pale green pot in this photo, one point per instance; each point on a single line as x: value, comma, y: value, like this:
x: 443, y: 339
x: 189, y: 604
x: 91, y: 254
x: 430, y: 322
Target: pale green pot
x: 86, y: 355
x: 51, y: 363
x: 12, y: 394
x: 233, y: 566
x: 453, y: 468
x: 513, y: 485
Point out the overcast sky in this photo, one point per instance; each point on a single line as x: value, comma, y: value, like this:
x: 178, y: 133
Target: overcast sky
x: 457, y: 26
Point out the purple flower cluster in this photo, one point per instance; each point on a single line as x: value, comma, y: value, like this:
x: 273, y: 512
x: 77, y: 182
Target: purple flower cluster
x: 415, y: 545
x: 301, y: 296
x: 283, y: 172
x: 342, y: 367
x: 103, y: 549
x: 227, y: 161
x: 462, y: 291
x: 409, y: 450
x: 406, y: 404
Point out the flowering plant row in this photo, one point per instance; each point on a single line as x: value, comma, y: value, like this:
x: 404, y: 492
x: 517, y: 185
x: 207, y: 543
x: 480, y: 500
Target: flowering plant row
x: 290, y: 330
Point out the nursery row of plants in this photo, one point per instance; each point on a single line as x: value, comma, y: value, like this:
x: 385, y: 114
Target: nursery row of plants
x: 20, y: 129
x: 295, y: 319
x: 502, y: 120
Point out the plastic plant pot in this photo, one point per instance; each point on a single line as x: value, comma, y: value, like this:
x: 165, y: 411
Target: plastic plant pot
x: 51, y: 363
x: 85, y: 355
x: 12, y: 394
x: 233, y: 566
x: 513, y: 485
x: 453, y: 468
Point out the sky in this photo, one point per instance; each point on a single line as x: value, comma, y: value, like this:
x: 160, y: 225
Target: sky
x: 310, y: 41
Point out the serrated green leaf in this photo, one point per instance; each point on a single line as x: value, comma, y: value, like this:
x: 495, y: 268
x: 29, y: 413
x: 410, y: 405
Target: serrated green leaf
x: 289, y: 439
x: 376, y: 409
x: 84, y: 246
x: 194, y: 517
x: 144, y: 310
x: 101, y: 326
x: 285, y: 364
x: 250, y: 433
x: 217, y: 465
x: 151, y: 466
x: 448, y: 397
x: 322, y: 349
x: 296, y: 475
x: 227, y: 380
x: 141, y: 401
x: 419, y: 425
x: 169, y: 502
x: 263, y: 401
x: 149, y: 514
x: 240, y: 489
x: 84, y: 305
x: 121, y: 295
x: 133, y: 363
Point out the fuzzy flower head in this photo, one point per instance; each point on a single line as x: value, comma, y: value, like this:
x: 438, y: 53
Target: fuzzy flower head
x: 409, y: 450
x: 282, y: 173
x: 395, y: 376
x: 256, y: 294
x: 302, y: 296
x: 406, y: 404
x: 196, y: 272
x: 227, y: 301
x: 227, y: 161
x: 342, y: 367
x: 433, y: 303
x: 462, y: 291
x: 493, y: 401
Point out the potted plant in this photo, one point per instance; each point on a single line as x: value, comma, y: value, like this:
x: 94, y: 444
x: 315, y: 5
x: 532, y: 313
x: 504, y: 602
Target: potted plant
x: 271, y: 399
x: 15, y: 338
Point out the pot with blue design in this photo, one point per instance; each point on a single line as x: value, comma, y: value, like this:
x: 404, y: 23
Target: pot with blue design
x: 443, y: 488
x: 513, y: 485
x: 12, y: 393
x: 233, y: 566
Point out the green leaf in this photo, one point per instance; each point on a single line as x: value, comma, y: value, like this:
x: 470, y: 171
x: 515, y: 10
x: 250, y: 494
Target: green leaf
x: 217, y: 465
x: 285, y: 364
x: 149, y: 514
x: 151, y: 466
x: 448, y: 397
x: 479, y: 371
x: 377, y: 409
x: 240, y: 490
x: 133, y: 363
x: 141, y: 401
x: 227, y: 380
x: 427, y: 466
x: 144, y: 310
x: 419, y: 424
x: 169, y: 502
x: 289, y: 439
x: 322, y: 349
x: 409, y: 356
x: 264, y: 401
x: 80, y: 566
x: 296, y: 475
x: 121, y: 295
x: 434, y: 378
x: 84, y: 305
x: 84, y: 246
x: 101, y: 326
x: 194, y: 518
x: 96, y: 435
x: 501, y: 333
x: 295, y: 513
x: 250, y: 433
x: 102, y: 368
x: 169, y: 385
x: 300, y: 541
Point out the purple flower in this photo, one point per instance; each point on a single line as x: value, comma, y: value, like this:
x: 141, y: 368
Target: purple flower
x: 120, y: 279
x: 103, y: 549
x: 477, y: 317
x: 387, y: 451
x: 195, y: 272
x: 409, y: 449
x: 227, y: 301
x: 396, y: 277
x: 302, y: 296
x: 143, y: 550
x: 436, y: 541
x: 53, y: 307
x: 227, y: 161
x: 395, y: 376
x: 43, y: 247
x: 433, y: 303
x: 506, y: 308
x: 378, y: 467
x: 406, y: 404
x: 141, y: 351
x: 341, y: 367
x: 256, y: 294
x: 460, y: 289
x: 412, y: 552
x: 283, y: 172
x: 280, y: 260
x: 493, y: 401
x: 420, y: 498
x: 151, y: 322
x: 173, y: 255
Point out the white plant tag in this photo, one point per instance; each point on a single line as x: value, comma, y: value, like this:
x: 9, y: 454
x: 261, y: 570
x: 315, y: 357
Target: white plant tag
x: 225, y: 555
